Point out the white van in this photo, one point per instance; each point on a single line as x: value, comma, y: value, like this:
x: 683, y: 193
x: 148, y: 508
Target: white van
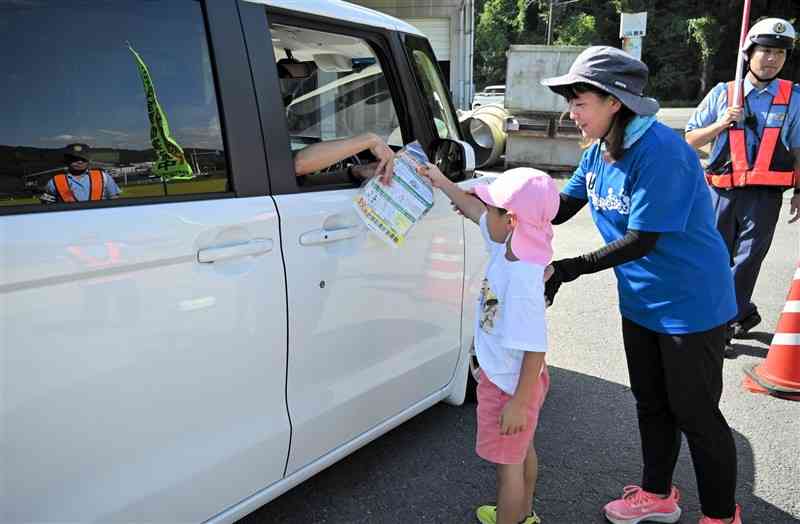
x: 197, y: 345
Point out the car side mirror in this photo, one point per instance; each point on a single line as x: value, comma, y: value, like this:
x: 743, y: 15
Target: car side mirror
x: 454, y: 158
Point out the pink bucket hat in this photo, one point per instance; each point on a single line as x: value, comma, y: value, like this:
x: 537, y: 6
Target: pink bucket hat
x: 532, y: 196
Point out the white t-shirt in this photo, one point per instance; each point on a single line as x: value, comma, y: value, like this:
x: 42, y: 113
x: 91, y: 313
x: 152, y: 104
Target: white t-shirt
x: 510, y: 318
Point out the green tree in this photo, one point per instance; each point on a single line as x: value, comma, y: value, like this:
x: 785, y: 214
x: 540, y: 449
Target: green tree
x: 577, y: 30
x: 500, y: 24
x: 690, y: 44
x: 705, y: 33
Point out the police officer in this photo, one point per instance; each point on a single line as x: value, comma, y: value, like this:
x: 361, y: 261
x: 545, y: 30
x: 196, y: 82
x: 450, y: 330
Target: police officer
x: 754, y: 159
x: 79, y: 183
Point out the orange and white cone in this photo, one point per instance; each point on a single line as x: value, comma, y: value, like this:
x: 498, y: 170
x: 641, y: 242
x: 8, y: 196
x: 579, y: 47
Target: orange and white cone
x: 444, y: 274
x: 779, y: 375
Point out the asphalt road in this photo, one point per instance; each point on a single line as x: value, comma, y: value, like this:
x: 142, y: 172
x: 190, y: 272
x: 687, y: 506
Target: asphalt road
x: 588, y: 444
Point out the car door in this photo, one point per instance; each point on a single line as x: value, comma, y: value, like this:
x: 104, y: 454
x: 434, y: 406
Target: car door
x: 372, y: 330
x: 143, y: 339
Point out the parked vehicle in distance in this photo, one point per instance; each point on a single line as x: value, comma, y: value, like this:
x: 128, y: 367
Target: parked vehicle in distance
x: 196, y: 346
x: 489, y: 95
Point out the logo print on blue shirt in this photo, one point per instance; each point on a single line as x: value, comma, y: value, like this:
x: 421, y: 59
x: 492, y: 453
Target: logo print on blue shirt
x: 611, y: 202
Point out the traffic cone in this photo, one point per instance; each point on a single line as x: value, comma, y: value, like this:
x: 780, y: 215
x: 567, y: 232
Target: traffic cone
x: 780, y: 374
x: 444, y: 272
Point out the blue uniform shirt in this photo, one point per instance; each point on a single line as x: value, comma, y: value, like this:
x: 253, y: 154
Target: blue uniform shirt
x: 80, y: 186
x: 715, y: 104
x: 684, y: 285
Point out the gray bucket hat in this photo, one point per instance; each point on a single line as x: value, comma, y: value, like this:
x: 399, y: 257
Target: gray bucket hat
x: 611, y: 70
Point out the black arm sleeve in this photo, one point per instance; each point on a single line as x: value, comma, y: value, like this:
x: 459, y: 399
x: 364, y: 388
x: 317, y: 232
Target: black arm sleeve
x: 567, y: 208
x: 634, y: 245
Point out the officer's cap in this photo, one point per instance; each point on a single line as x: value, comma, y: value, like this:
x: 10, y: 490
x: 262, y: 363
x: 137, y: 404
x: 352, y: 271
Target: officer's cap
x: 79, y: 151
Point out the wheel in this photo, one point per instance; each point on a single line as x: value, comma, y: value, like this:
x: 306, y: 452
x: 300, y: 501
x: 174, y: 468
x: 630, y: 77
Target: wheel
x: 473, y: 375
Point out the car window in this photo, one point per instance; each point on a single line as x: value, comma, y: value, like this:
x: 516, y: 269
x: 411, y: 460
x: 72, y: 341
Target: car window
x: 333, y: 87
x: 118, y: 101
x: 433, y: 89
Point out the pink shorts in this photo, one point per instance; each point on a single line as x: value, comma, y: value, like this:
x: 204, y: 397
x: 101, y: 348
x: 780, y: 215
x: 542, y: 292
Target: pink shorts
x: 505, y: 449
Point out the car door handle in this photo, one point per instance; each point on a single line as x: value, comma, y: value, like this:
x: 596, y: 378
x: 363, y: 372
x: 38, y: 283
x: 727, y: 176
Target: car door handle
x: 255, y: 247
x: 326, y: 236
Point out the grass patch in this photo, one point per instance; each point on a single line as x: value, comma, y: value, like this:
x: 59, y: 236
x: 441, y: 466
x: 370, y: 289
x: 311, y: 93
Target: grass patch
x: 149, y: 190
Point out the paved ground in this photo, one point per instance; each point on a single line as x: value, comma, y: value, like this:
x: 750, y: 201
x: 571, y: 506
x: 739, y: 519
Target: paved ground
x: 675, y: 117
x: 426, y: 470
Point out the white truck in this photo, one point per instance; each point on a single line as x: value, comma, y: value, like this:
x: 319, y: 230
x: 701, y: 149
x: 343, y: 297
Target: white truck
x: 489, y: 95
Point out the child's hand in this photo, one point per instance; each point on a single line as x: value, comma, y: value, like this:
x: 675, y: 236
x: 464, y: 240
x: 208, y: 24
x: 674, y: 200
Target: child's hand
x: 432, y: 173
x: 513, y: 419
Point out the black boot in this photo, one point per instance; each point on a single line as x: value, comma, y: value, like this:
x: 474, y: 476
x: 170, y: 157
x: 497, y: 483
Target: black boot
x: 730, y: 351
x: 740, y: 328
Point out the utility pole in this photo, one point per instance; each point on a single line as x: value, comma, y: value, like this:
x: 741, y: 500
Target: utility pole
x: 553, y: 3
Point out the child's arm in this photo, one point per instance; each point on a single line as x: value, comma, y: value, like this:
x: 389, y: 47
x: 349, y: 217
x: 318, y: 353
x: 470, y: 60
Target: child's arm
x: 469, y: 205
x: 514, y: 417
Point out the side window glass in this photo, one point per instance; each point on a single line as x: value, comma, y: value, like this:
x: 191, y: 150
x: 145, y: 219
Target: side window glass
x: 101, y: 108
x: 334, y: 89
x: 434, y: 90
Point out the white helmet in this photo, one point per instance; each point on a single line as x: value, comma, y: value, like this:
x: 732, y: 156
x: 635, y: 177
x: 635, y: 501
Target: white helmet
x: 770, y: 32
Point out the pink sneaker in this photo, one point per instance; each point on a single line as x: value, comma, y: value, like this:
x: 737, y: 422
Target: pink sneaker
x: 638, y: 505
x: 737, y: 518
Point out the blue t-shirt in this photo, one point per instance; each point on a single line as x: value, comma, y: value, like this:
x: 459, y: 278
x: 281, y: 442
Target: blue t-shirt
x: 684, y: 285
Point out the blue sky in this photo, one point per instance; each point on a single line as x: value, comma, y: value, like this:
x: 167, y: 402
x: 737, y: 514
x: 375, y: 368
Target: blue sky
x: 68, y: 76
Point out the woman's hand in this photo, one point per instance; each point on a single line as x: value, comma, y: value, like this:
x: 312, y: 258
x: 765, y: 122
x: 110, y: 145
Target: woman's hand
x: 385, y: 156
x: 560, y: 271
x: 552, y: 283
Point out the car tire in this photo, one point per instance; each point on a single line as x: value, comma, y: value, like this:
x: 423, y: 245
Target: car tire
x: 473, y: 373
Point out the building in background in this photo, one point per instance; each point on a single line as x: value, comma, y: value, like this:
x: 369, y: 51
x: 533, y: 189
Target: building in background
x: 450, y: 27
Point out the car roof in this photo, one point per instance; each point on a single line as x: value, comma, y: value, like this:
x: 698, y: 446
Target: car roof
x: 495, y: 87
x: 345, y: 11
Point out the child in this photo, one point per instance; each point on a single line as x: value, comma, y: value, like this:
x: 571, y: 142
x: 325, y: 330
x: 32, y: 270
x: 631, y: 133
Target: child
x: 514, y: 214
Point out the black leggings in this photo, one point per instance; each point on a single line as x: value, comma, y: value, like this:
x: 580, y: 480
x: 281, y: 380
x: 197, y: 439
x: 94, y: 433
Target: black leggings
x: 677, y: 383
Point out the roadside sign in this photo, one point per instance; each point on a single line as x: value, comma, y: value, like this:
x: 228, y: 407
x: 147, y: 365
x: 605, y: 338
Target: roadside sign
x: 633, y: 25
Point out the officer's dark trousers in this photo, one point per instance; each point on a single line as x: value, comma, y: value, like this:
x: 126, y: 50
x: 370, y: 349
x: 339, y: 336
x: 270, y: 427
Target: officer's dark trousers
x: 746, y: 219
x: 677, y: 383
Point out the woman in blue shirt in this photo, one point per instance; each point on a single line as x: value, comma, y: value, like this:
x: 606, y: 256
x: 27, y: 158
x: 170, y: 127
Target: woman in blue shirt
x: 648, y: 197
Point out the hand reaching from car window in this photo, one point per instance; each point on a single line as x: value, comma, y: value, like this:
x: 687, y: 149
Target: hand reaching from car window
x: 385, y: 157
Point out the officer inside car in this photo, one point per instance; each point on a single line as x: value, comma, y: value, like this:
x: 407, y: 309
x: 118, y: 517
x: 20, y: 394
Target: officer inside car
x: 79, y: 183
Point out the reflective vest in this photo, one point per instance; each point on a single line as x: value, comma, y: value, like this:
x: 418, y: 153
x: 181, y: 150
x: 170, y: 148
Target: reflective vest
x: 774, y: 165
x: 96, y: 186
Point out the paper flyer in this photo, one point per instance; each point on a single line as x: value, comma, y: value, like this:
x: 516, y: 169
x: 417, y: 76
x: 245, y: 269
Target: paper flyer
x: 391, y: 211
